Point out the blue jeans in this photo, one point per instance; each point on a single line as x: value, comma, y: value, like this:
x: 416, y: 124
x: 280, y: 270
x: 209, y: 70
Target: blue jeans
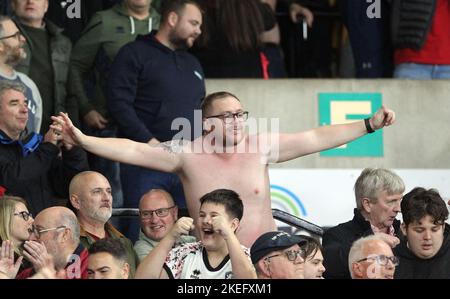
x: 136, y: 181
x: 422, y: 71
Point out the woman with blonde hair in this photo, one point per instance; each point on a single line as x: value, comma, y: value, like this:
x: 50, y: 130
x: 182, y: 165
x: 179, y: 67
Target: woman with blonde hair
x: 15, y: 221
x: 16, y: 225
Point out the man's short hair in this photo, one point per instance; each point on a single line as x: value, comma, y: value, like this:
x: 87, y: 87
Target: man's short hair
x: 311, y: 246
x: 273, y: 241
x: 6, y: 85
x: 166, y: 194
x: 372, y: 181
x: 356, y: 250
x: 420, y: 202
x: 2, y: 20
x: 227, y: 198
x: 111, y: 246
x: 209, y: 99
x: 70, y: 220
x: 177, y: 6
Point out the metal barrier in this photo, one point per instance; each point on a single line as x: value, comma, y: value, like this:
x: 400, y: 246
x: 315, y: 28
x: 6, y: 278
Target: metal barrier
x: 279, y: 215
x: 297, y: 222
x: 125, y: 212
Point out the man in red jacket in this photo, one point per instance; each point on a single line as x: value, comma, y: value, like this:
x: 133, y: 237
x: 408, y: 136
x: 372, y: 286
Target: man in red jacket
x: 57, y: 228
x: 422, y: 41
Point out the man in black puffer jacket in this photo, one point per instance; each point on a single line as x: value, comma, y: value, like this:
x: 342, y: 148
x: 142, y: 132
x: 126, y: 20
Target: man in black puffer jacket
x: 421, y: 39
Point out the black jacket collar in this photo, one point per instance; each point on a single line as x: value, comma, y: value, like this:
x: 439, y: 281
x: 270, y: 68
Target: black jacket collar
x: 365, y: 226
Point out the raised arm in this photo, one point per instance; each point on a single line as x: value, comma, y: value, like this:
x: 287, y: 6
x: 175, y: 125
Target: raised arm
x: 32, y: 166
x: 241, y: 264
x: 161, y: 157
x: 152, y: 266
x: 8, y: 267
x: 295, y: 145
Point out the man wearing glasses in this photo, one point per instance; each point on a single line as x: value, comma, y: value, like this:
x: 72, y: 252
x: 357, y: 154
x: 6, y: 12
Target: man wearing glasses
x: 157, y: 214
x: 58, y: 230
x: 224, y: 157
x: 11, y: 54
x: 277, y: 255
x: 217, y: 255
x: 91, y: 199
x: 372, y: 258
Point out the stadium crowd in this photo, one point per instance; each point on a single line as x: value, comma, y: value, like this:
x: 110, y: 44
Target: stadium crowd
x: 86, y: 117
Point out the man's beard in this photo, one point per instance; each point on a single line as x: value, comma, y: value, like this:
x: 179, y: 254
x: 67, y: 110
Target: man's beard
x: 101, y: 216
x: 178, y: 42
x: 14, y: 55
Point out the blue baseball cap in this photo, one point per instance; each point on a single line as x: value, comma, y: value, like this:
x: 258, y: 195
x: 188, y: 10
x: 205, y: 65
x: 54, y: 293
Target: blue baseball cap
x: 273, y: 241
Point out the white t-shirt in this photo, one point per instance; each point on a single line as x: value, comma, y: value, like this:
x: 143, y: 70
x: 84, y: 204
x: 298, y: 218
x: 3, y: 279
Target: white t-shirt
x: 190, y: 261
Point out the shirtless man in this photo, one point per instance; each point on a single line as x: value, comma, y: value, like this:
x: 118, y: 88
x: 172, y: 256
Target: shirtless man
x: 214, y: 167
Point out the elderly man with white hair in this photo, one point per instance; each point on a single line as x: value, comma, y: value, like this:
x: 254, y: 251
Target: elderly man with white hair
x: 58, y: 230
x: 371, y: 258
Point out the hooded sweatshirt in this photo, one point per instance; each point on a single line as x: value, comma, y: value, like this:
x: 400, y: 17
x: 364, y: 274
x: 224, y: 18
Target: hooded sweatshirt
x: 413, y: 267
x: 101, y: 40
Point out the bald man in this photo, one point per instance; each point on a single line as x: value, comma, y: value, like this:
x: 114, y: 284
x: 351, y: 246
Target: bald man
x: 371, y: 258
x: 157, y: 214
x: 58, y: 230
x: 91, y: 199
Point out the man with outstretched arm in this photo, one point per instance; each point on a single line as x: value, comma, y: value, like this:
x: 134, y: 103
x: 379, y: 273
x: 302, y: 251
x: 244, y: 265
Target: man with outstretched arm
x: 220, y: 163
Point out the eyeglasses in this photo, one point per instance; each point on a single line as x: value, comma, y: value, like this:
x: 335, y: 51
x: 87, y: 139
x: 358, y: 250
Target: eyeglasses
x: 16, y: 35
x: 38, y: 232
x: 24, y: 214
x: 291, y: 255
x: 228, y: 117
x: 163, y: 212
x: 382, y: 260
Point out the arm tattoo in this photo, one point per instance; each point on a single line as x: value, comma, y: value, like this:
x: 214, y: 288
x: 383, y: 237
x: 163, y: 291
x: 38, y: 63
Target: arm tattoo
x: 172, y: 146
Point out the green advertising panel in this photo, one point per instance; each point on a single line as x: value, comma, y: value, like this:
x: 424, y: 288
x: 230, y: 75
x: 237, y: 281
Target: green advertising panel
x: 339, y: 108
